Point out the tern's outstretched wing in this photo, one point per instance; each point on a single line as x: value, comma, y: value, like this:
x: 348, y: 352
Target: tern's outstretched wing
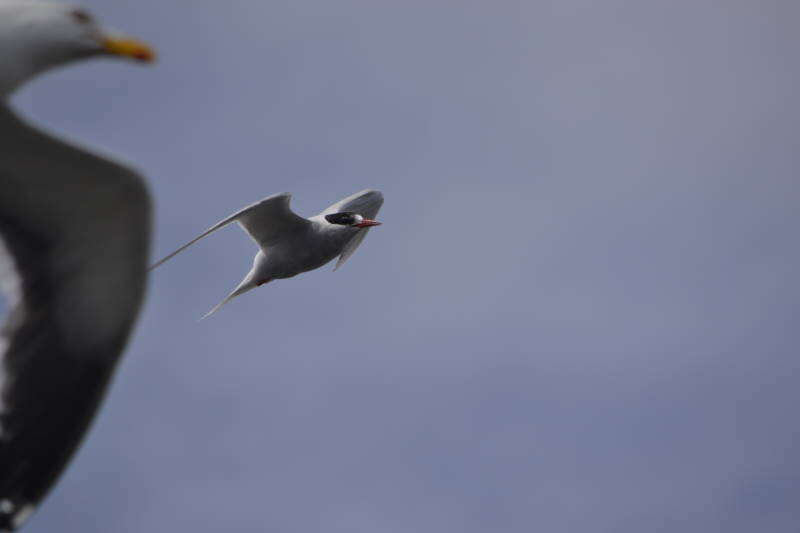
x: 366, y: 203
x: 264, y: 221
x: 75, y: 231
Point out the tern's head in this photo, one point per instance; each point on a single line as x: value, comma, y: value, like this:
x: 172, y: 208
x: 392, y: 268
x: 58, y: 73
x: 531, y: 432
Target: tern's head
x: 37, y: 35
x: 353, y: 220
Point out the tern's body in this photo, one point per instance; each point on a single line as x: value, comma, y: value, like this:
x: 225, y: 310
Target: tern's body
x: 290, y: 244
x: 311, y: 247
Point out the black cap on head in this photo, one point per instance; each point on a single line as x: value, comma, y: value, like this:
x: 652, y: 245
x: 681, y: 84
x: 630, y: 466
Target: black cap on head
x: 345, y: 218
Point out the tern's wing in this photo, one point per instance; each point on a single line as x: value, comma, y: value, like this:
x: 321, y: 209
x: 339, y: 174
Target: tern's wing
x: 366, y: 203
x: 75, y: 230
x: 264, y: 221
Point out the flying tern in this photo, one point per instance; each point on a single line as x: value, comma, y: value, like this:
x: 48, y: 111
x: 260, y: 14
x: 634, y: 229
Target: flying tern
x: 290, y: 244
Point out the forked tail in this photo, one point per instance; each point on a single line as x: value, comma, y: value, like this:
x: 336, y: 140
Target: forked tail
x: 246, y: 285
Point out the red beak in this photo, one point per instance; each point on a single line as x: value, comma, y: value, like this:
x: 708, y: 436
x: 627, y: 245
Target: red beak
x: 367, y: 223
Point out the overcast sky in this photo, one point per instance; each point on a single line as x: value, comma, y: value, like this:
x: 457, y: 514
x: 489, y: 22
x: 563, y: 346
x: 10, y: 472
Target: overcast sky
x: 580, y: 314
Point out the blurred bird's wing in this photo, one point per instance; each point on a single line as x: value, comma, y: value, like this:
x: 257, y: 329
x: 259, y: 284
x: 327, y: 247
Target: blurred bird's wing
x: 75, y: 230
x: 264, y: 221
x: 366, y: 203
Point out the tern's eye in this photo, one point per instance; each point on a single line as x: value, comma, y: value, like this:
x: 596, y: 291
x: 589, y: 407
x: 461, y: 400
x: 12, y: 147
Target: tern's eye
x: 82, y: 16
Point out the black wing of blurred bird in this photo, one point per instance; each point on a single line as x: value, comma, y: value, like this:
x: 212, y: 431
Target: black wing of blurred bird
x: 76, y: 232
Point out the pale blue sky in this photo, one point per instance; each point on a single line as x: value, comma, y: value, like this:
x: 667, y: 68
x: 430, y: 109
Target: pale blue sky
x: 579, y: 315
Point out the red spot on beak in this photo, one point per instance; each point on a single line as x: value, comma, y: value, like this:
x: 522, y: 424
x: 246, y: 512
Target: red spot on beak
x: 367, y: 223
x: 144, y: 55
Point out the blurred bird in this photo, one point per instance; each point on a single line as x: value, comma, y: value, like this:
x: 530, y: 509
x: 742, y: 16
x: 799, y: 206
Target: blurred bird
x: 290, y: 244
x: 75, y: 231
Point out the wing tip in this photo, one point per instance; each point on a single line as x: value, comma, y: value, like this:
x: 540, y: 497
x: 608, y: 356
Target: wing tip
x: 12, y: 515
x: 374, y: 194
x: 213, y: 310
x: 156, y: 265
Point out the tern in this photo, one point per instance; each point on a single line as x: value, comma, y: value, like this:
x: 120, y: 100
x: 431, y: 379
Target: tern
x: 75, y: 236
x: 290, y: 244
